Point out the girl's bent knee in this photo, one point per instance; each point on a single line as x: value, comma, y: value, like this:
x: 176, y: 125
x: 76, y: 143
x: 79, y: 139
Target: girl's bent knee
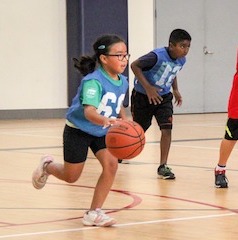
x: 71, y: 179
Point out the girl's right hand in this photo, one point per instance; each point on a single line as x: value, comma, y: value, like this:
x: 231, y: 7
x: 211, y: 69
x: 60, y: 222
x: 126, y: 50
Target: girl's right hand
x: 110, y: 121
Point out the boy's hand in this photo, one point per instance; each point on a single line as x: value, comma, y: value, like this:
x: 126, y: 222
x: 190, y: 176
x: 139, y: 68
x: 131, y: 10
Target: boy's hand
x: 153, y: 95
x: 178, y: 98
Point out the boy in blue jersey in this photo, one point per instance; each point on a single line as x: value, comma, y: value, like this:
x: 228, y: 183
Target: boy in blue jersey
x: 97, y: 105
x: 155, y: 75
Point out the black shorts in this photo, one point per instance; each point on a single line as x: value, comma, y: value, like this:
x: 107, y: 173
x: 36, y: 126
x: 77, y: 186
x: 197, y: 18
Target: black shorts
x: 231, y: 129
x: 77, y: 142
x: 142, y: 111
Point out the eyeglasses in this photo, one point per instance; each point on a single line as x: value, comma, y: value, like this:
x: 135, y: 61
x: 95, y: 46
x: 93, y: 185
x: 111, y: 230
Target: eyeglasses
x: 120, y: 57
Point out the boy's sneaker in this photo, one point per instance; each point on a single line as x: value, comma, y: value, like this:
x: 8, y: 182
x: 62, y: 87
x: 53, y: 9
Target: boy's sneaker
x: 164, y: 172
x: 39, y: 176
x: 221, y: 180
x: 97, y: 218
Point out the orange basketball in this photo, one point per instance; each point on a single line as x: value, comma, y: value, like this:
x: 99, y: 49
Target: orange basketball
x: 125, y: 140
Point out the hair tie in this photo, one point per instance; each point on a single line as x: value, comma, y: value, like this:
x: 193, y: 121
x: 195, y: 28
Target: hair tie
x: 102, y: 47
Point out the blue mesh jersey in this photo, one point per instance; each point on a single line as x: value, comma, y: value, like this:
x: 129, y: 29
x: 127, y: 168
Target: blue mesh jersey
x: 112, y: 97
x: 162, y: 74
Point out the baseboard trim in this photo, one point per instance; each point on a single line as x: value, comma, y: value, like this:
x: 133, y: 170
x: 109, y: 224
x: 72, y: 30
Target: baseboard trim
x: 32, y: 114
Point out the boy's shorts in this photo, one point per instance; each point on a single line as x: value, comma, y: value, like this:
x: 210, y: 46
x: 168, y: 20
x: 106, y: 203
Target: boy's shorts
x: 77, y: 142
x: 142, y: 111
x: 231, y: 129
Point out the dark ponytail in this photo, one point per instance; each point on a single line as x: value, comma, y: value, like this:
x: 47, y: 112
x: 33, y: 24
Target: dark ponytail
x: 85, y: 64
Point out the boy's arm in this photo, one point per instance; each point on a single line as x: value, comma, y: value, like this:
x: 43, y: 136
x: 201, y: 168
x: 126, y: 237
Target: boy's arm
x: 151, y: 91
x: 176, y: 93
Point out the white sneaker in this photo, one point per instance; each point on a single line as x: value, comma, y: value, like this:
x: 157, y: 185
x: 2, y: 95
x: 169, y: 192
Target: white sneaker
x: 97, y: 218
x: 39, y: 176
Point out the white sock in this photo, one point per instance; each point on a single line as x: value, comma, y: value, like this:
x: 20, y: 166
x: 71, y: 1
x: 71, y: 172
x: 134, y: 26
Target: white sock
x: 220, y: 168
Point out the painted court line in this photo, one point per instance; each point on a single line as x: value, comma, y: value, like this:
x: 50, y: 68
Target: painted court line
x: 117, y: 225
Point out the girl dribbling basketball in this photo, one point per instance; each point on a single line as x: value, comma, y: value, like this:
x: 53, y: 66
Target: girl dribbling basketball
x: 98, y: 104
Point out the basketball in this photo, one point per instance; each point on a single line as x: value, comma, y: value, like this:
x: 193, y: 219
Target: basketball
x: 125, y: 140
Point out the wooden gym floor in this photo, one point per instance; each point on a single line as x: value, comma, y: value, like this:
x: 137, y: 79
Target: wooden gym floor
x: 145, y: 207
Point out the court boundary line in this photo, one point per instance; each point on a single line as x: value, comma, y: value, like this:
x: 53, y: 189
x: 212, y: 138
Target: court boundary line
x: 118, y: 225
